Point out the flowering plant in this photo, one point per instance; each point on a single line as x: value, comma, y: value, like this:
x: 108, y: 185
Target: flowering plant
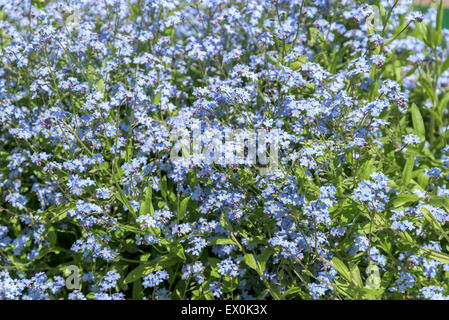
x: 108, y: 193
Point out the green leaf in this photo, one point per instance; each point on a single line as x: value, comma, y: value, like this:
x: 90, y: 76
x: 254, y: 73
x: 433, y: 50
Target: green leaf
x: 438, y: 36
x: 442, y: 105
x: 355, y: 272
x: 157, y: 98
x: 183, y: 207
x: 61, y: 212
x: 347, y: 290
x: 144, y: 257
x: 251, y: 261
x: 366, y: 169
x: 135, y: 274
x: 90, y: 295
x: 222, y: 241
x: 179, y: 251
x: 373, y: 294
x: 427, y: 87
x: 172, y: 196
x: 51, y: 236
x: 297, y: 64
x: 430, y: 218
x: 100, y: 85
x: 124, y: 200
x: 341, y: 268
x: 264, y: 257
x: 224, y: 222
x: 418, y: 123
x: 444, y: 66
x: 163, y: 187
x: 383, y: 12
x: 440, y: 15
x: 440, y: 256
x: 349, y: 156
x: 404, y: 198
x: 437, y: 116
x: 137, y: 290
x: 40, y: 4
x: 408, y: 168
x: 423, y: 179
x: 145, y: 268
x: 147, y: 205
x: 422, y: 30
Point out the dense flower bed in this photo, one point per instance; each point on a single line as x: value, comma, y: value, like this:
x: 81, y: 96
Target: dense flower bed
x: 101, y: 199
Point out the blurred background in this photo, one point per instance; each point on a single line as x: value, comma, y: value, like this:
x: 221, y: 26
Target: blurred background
x: 423, y: 4
x: 428, y: 2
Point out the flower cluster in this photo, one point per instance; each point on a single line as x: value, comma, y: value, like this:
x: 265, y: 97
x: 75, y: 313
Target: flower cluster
x: 110, y: 112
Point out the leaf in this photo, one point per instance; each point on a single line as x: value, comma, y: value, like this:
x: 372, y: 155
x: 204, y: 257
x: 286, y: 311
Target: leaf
x: 264, y: 257
x: 355, y: 272
x: 404, y: 198
x: 145, y: 268
x: 440, y: 14
x: 251, y: 261
x: 423, y: 179
x: 440, y: 256
x: 444, y: 66
x: 124, y: 200
x: 436, y: 224
x: 118, y: 173
x: 418, y: 123
x: 314, y: 35
x: 222, y: 241
x: 157, y: 98
x: 437, y: 116
x: 373, y: 294
x: 172, y: 196
x: 383, y: 12
x: 51, y: 236
x: 100, y: 85
x: 135, y: 274
x: 408, y: 168
x: 438, y: 35
x: 161, y: 262
x: 144, y: 257
x: 430, y: 218
x: 224, y: 222
x: 342, y: 269
x: 163, y: 187
x: 90, y: 295
x: 397, y: 70
x: 444, y: 101
x: 294, y: 290
x: 427, y: 88
x: 183, y: 207
x: 147, y: 205
x: 297, y: 64
x: 385, y: 245
x: 422, y: 29
x: 347, y: 290
x: 349, y: 156
x: 40, y: 4
x: 179, y: 251
x: 137, y: 290
x: 366, y: 169
x: 61, y: 212
x: 406, y: 236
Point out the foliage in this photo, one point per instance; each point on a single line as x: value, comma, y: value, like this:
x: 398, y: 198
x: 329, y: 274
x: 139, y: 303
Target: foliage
x: 92, y: 91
